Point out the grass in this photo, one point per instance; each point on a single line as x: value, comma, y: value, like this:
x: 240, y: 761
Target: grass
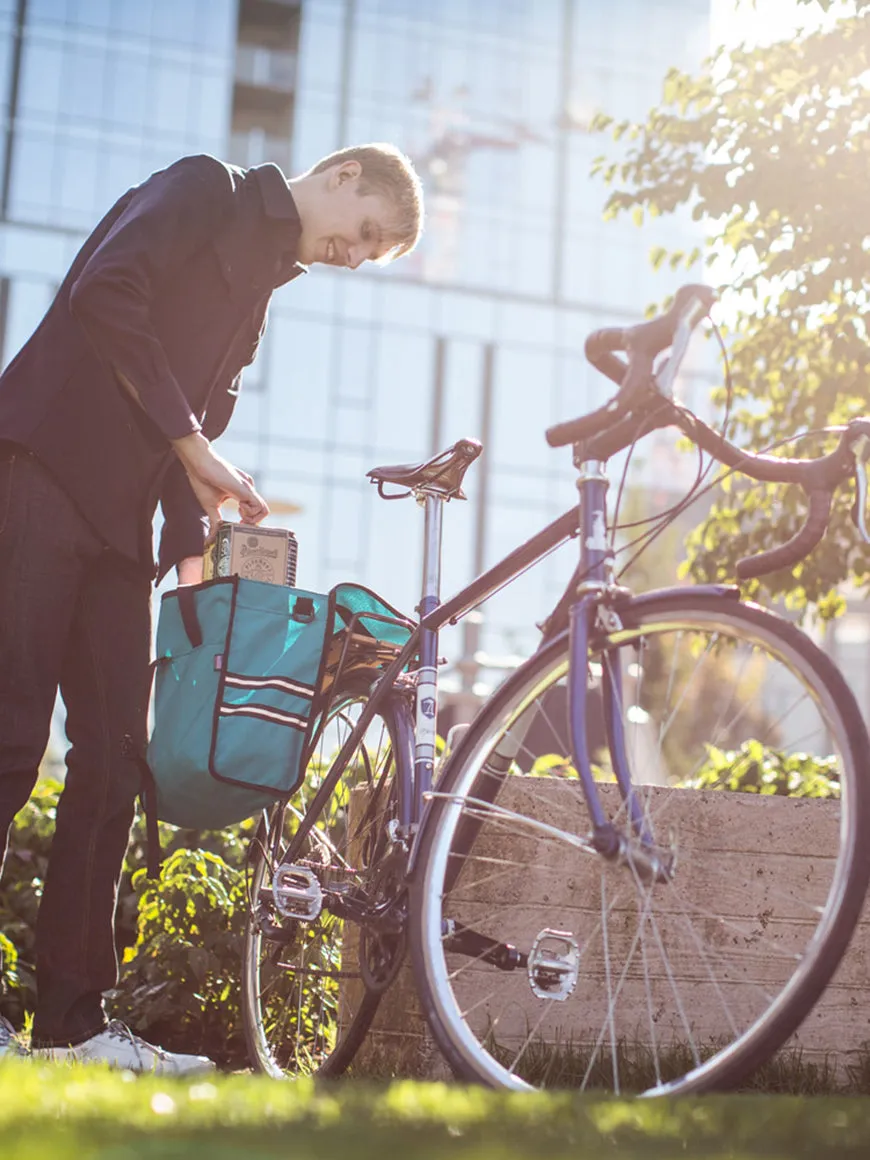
x: 60, y: 1113
x: 789, y: 1072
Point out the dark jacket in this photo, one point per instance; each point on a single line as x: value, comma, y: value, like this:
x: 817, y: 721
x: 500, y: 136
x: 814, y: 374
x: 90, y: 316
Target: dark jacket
x: 172, y: 289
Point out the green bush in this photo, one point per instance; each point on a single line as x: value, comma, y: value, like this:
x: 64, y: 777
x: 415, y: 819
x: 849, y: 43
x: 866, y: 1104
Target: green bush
x: 179, y: 939
x: 20, y: 892
x: 179, y: 982
x: 755, y: 768
x: 9, y: 978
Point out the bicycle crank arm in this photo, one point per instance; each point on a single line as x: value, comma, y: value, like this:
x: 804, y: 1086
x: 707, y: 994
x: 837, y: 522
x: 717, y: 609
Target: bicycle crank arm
x: 276, y: 932
x: 385, y: 918
x: 462, y: 940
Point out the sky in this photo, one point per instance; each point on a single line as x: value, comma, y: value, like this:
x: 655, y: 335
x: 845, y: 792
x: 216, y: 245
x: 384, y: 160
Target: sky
x: 733, y: 21
x: 757, y: 22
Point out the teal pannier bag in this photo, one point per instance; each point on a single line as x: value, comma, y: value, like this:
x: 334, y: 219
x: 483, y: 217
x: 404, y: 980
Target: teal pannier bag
x: 239, y: 689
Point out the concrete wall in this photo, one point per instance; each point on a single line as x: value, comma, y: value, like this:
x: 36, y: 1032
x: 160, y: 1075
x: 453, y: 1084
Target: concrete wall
x: 761, y: 861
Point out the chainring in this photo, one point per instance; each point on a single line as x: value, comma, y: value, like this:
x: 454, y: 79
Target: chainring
x: 382, y: 948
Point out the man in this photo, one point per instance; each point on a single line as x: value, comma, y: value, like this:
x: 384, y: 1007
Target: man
x: 111, y: 405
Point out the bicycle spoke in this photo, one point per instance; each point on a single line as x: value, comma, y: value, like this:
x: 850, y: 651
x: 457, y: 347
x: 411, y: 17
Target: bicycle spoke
x: 650, y: 964
x: 311, y: 1012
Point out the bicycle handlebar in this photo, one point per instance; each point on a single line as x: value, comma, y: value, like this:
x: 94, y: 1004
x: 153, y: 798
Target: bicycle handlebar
x: 800, y: 545
x: 642, y: 344
x: 644, y: 403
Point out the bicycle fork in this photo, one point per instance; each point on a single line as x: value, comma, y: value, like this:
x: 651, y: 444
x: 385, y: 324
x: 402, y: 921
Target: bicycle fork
x: 633, y: 842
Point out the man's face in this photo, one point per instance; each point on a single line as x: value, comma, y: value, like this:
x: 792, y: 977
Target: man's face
x: 346, y: 228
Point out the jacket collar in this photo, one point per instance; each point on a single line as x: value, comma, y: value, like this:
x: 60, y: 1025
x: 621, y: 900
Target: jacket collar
x: 277, y: 198
x: 278, y: 203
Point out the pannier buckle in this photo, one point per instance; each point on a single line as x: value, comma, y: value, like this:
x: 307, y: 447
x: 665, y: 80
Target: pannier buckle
x: 303, y: 609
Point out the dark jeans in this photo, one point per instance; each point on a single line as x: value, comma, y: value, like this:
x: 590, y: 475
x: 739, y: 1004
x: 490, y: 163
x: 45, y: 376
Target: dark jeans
x: 75, y: 615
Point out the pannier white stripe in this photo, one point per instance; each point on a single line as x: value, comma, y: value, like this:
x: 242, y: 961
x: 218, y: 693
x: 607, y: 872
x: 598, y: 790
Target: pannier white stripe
x: 265, y: 714
x: 283, y: 684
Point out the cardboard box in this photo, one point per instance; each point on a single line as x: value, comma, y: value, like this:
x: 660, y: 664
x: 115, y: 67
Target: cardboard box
x: 265, y: 554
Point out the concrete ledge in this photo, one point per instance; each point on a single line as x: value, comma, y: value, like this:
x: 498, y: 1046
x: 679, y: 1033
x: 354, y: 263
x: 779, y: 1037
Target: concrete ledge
x: 758, y: 859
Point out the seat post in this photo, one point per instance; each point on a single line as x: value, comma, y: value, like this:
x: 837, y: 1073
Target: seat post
x: 427, y: 674
x: 433, y: 507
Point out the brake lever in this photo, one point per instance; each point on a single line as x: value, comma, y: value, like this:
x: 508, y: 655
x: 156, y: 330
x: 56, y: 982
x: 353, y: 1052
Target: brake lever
x: 666, y: 376
x: 860, y: 448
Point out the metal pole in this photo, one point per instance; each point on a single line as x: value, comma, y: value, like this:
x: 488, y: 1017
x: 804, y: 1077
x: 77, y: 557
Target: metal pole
x: 468, y: 666
x: 438, y: 394
x: 561, y: 183
x: 12, y: 115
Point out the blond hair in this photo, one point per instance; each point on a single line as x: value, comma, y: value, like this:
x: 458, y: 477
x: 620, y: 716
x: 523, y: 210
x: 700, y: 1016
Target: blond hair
x: 385, y: 170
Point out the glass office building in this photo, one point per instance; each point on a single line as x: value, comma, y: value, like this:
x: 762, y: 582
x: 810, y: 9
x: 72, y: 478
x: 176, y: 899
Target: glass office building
x: 479, y: 332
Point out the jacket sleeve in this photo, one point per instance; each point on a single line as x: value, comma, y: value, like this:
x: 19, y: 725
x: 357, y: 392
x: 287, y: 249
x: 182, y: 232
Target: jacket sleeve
x: 167, y: 219
x: 222, y: 399
x: 185, y: 524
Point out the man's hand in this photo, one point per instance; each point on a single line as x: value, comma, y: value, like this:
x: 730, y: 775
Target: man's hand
x: 190, y: 570
x: 214, y: 480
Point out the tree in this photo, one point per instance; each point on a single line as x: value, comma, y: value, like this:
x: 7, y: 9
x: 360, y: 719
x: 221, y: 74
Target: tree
x: 771, y: 146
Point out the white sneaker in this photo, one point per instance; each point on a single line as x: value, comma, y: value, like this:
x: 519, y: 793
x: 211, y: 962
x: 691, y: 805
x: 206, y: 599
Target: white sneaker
x: 9, y: 1042
x: 119, y: 1047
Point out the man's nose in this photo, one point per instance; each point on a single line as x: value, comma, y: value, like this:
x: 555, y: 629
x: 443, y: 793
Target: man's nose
x: 355, y: 256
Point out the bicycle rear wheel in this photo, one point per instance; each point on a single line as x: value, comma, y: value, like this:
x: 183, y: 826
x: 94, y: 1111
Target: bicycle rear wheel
x: 542, y: 963
x: 308, y: 997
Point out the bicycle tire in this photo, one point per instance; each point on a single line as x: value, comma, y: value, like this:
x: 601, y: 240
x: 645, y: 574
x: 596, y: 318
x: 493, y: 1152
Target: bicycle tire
x: 464, y: 846
x: 306, y: 1008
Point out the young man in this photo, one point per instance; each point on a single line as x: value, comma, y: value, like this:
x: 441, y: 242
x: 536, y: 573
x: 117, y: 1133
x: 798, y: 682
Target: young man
x: 110, y: 406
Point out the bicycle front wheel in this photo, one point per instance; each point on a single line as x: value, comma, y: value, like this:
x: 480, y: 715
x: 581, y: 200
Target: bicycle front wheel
x: 310, y: 986
x: 542, y: 962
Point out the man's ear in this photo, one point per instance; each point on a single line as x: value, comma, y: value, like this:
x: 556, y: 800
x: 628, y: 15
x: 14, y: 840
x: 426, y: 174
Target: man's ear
x: 347, y: 171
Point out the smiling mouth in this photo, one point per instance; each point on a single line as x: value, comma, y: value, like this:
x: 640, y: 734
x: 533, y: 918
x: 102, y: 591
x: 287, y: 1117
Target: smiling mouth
x: 330, y: 251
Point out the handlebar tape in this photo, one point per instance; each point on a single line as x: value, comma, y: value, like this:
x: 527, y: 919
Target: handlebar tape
x: 799, y: 546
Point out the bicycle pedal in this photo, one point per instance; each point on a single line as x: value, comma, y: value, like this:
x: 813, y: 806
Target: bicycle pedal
x: 554, y: 964
x: 297, y: 892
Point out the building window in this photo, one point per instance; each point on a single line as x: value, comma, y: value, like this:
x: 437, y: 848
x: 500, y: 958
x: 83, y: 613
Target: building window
x: 264, y: 89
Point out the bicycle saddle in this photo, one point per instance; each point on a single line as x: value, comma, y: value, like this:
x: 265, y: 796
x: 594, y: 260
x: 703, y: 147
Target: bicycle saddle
x: 442, y: 473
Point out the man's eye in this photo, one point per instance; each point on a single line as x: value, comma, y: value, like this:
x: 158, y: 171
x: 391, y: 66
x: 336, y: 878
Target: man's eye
x: 366, y: 234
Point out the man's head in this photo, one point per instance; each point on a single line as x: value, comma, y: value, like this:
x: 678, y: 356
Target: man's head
x: 364, y: 203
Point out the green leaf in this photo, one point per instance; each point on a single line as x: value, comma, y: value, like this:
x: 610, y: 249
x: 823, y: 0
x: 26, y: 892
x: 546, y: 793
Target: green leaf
x: 768, y: 154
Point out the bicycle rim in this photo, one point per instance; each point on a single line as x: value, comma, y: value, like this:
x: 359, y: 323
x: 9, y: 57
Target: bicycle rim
x: 306, y: 1006
x: 631, y: 984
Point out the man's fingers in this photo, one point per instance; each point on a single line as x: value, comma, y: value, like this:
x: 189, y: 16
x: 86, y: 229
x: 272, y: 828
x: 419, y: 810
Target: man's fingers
x: 214, y: 518
x: 214, y: 480
x: 254, y: 511
x: 252, y: 506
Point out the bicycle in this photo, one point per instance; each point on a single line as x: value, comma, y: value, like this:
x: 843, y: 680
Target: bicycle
x: 563, y: 885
